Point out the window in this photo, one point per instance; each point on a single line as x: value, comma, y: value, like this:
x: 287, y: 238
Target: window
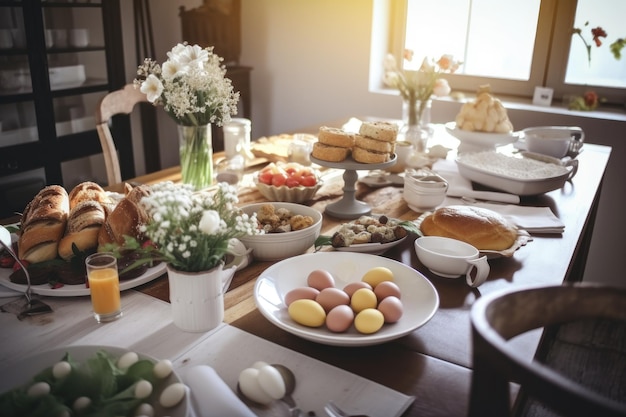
x: 515, y: 45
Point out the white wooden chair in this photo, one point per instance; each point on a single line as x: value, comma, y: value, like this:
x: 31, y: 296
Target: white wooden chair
x: 116, y: 102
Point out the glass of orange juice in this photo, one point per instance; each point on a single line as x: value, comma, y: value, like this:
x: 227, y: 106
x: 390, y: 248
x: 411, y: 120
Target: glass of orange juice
x: 104, y: 285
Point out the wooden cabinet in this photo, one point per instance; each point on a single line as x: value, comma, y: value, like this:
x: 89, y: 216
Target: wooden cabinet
x: 57, y: 59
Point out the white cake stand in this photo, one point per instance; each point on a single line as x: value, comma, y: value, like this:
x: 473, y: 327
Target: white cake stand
x: 349, y: 207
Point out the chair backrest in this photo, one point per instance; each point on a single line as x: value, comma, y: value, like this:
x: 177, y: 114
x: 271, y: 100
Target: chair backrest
x: 498, y: 317
x: 116, y: 102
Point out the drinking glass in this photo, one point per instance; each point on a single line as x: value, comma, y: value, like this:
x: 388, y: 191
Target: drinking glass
x: 104, y: 286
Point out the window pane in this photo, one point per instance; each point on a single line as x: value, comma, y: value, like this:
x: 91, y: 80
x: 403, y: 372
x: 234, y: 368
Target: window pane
x: 494, y: 38
x: 603, y: 69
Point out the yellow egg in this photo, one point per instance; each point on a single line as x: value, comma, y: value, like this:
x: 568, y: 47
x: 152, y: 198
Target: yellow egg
x: 369, y: 321
x: 307, y: 313
x: 377, y: 275
x: 363, y: 298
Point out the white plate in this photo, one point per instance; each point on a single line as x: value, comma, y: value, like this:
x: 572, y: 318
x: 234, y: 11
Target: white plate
x: 371, y: 248
x: 419, y: 297
x: 20, y: 372
x: 480, y: 140
x: 500, y: 180
x: 79, y: 289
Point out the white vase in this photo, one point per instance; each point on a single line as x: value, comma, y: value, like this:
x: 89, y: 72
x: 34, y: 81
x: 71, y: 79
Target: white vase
x: 197, y: 298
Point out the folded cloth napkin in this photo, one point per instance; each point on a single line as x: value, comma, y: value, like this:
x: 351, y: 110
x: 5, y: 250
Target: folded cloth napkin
x: 211, y: 396
x: 532, y: 219
x: 459, y: 186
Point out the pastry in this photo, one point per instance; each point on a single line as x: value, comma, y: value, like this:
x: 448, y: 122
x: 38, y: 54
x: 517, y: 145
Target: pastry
x: 43, y: 224
x: 329, y: 153
x: 482, y: 228
x: 379, y: 130
x: 83, y: 225
x: 485, y: 114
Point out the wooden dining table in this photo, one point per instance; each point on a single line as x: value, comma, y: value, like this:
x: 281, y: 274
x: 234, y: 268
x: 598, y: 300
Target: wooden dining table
x: 433, y: 363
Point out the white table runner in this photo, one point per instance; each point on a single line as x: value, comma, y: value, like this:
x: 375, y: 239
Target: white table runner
x: 147, y: 328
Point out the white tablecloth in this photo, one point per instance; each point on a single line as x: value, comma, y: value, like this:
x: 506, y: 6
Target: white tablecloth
x: 146, y: 327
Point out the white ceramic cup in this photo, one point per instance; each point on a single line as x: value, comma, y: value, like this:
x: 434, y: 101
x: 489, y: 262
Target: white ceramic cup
x: 79, y: 38
x: 451, y: 258
x: 403, y: 150
x: 554, y: 141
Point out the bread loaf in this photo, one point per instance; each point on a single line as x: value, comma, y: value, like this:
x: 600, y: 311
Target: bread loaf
x: 43, y: 224
x: 482, y: 228
x: 335, y: 137
x: 88, y: 191
x: 83, y: 225
x: 485, y: 114
x: 375, y: 145
x: 125, y: 220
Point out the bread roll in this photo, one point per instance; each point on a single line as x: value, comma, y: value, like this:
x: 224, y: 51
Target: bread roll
x: 43, y: 225
x: 124, y: 220
x: 485, y: 114
x: 83, y: 225
x: 482, y: 228
x: 88, y: 191
x: 329, y: 153
x: 375, y: 145
x: 335, y: 137
x: 379, y: 130
x: 369, y: 157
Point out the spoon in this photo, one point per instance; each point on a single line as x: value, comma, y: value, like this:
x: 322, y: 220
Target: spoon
x: 290, y: 386
x: 32, y: 306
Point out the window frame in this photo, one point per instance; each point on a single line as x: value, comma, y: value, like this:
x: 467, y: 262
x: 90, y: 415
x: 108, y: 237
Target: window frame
x: 549, y: 62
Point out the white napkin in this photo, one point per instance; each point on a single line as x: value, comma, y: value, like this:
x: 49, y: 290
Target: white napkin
x: 211, y: 396
x: 459, y: 186
x: 531, y: 219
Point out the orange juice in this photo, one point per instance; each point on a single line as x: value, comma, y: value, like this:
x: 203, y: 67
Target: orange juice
x: 105, y: 290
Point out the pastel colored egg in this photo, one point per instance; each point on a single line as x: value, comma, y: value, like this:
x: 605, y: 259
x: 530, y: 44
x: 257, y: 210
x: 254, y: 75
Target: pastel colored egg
x: 339, y: 319
x: 353, y: 286
x: 369, y: 321
x: 301, y: 293
x: 363, y: 298
x: 320, y: 279
x: 386, y: 289
x: 307, y: 313
x: 392, y: 309
x: 377, y: 275
x: 329, y: 298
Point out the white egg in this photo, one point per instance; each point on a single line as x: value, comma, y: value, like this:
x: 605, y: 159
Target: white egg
x: 145, y: 410
x: 81, y: 403
x: 172, y: 395
x: 272, y: 382
x: 38, y: 389
x: 259, y: 364
x: 143, y: 389
x: 163, y: 369
x: 61, y: 369
x: 127, y: 360
x: 251, y: 388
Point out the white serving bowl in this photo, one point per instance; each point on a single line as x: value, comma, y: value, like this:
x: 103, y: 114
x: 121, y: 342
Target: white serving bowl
x: 476, y: 141
x: 278, y: 246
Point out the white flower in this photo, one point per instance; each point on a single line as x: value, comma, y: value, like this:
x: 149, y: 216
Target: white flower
x: 152, y: 88
x: 442, y: 88
x: 172, y: 70
x: 210, y: 222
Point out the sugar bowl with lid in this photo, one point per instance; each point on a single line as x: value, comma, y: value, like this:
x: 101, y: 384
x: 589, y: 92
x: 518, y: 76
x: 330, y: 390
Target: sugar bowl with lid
x: 424, y: 189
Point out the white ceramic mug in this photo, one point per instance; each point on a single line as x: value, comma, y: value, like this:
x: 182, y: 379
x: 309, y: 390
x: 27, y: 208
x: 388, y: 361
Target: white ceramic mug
x: 79, y: 38
x: 403, y: 150
x: 555, y: 141
x: 451, y: 258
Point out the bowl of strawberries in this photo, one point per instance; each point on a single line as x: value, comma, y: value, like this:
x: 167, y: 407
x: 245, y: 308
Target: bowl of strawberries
x: 287, y: 182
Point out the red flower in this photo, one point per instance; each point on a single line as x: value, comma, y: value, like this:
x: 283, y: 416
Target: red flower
x: 591, y: 99
x: 597, y: 34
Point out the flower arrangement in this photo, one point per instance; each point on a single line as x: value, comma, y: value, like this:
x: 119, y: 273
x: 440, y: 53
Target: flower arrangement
x: 191, y: 85
x: 191, y: 230
x: 596, y: 34
x: 193, y: 89
x: 419, y: 85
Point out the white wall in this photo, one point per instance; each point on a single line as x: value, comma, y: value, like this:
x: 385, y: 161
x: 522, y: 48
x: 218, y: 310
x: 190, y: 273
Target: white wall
x: 311, y: 66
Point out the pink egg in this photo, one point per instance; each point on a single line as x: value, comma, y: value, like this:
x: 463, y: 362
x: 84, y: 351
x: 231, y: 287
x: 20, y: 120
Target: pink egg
x: 339, y: 319
x: 300, y: 293
x: 386, y: 289
x: 320, y: 279
x: 353, y: 286
x: 332, y: 297
x: 392, y: 309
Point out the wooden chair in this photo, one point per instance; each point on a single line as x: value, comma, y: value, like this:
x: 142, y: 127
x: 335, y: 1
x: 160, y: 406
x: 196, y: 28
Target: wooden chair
x: 116, y: 102
x: 496, y: 318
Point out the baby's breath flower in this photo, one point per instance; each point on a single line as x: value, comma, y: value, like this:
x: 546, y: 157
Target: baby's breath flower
x: 192, y: 230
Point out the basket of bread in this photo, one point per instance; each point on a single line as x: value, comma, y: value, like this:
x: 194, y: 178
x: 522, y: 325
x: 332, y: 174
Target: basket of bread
x: 58, y: 229
x: 374, y: 144
x: 287, y: 182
